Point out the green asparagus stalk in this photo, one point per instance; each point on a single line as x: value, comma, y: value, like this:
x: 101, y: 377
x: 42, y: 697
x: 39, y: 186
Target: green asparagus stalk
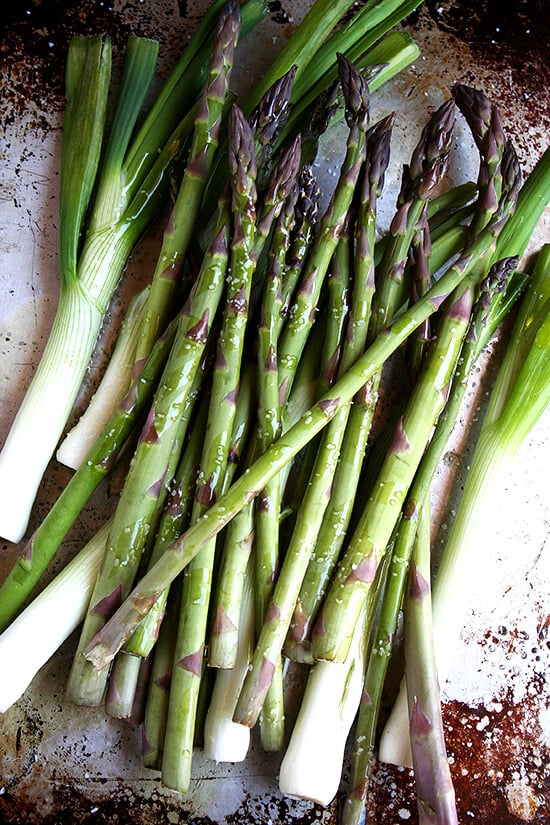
x: 433, y: 782
x: 248, y: 240
x: 533, y: 198
x: 226, y: 611
x: 224, y: 740
x: 85, y: 686
x: 181, y: 226
x: 343, y: 495
x: 137, y: 712
x: 122, y: 685
x: 421, y: 251
x: 428, y: 164
x: 266, y: 549
x: 295, y: 332
x: 249, y: 236
x: 182, y: 88
x: 197, y: 580
x: 293, y: 338
x: 338, y: 513
x: 419, y: 179
x: 156, y: 706
x: 267, y: 653
x: 105, y: 644
x: 337, y: 307
x: 485, y: 124
x: 307, y: 207
x: 300, y: 321
x: 267, y: 120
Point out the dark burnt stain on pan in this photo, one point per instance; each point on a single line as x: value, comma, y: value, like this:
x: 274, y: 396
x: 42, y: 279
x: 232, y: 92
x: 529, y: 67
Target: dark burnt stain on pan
x: 509, y: 38
x: 34, y: 38
x: 516, y: 29
x: 33, y: 48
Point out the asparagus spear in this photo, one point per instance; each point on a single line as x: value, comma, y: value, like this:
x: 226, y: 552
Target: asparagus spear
x: 421, y: 250
x: 266, y: 548
x: 179, y: 231
x: 307, y: 206
x: 433, y: 782
x: 485, y: 124
x: 276, y: 621
x: 122, y: 685
x: 188, y: 655
x: 177, y: 512
x: 267, y: 120
x: 156, y: 706
x: 338, y: 512
x: 225, y: 628
x: 300, y: 321
x: 85, y: 686
x: 224, y: 740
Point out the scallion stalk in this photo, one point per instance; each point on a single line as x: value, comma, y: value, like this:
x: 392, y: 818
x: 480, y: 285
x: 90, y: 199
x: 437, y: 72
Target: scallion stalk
x: 42, y: 627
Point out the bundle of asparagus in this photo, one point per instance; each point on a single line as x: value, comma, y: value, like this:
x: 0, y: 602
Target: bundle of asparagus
x: 257, y: 523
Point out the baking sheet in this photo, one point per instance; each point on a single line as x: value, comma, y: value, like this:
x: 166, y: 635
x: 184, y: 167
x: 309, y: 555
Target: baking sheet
x: 60, y: 764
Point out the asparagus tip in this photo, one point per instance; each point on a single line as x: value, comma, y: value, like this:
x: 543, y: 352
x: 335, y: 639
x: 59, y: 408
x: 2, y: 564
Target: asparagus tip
x: 356, y: 93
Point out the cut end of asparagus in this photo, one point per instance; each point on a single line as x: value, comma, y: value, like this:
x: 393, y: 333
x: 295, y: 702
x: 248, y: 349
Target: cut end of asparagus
x: 395, y: 744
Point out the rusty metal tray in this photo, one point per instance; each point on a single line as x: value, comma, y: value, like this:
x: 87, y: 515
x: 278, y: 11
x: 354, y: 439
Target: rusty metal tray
x: 61, y: 764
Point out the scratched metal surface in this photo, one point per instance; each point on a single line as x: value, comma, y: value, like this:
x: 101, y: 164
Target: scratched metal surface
x: 60, y: 764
